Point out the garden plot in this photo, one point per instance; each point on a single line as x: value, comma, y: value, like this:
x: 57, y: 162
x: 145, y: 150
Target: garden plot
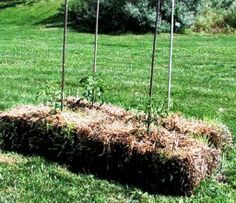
x: 108, y: 141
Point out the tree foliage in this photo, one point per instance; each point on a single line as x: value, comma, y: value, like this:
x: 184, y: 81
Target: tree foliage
x: 139, y: 15
x: 216, y: 16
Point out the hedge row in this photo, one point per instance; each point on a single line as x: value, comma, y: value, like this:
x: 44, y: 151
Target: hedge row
x: 117, y: 16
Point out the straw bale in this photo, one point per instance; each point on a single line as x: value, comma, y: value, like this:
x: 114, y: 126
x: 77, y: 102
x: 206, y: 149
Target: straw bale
x: 112, y: 142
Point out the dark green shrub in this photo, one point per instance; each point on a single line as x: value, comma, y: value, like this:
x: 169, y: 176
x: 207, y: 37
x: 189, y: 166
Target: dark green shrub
x: 222, y: 4
x: 185, y: 12
x: 130, y: 15
x: 117, y: 16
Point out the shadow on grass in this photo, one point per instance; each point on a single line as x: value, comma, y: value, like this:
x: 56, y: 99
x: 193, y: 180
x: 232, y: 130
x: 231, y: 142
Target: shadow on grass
x: 9, y: 4
x: 82, y: 155
x: 52, y: 21
x: 117, y: 179
x: 57, y: 21
x: 13, y: 3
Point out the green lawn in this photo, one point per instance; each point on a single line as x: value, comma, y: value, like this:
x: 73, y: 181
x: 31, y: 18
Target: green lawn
x: 204, y: 86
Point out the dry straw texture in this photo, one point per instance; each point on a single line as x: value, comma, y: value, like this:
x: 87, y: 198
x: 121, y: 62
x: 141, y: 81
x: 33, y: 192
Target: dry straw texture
x: 113, y: 143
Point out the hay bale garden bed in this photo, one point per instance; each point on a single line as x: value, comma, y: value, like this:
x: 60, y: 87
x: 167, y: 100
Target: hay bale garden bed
x: 111, y: 142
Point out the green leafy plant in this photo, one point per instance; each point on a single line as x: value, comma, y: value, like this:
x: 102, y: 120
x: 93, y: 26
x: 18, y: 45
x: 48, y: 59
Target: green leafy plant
x: 216, y: 16
x: 92, y: 88
x: 49, y: 95
x: 154, y: 108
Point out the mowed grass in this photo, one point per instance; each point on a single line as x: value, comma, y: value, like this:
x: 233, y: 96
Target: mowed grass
x: 204, y: 87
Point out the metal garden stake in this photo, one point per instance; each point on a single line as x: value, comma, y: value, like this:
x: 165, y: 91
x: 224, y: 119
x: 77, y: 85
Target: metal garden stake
x: 96, y: 40
x: 64, y: 54
x: 171, y: 54
x: 149, y: 119
x: 95, y: 49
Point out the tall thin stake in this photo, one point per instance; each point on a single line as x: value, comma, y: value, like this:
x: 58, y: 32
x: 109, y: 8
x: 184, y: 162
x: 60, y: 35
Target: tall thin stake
x: 152, y: 66
x: 64, y: 54
x: 96, y: 40
x: 171, y: 54
x: 95, y: 48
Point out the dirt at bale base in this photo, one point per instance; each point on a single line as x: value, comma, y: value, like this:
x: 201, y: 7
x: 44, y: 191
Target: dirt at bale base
x: 111, y: 141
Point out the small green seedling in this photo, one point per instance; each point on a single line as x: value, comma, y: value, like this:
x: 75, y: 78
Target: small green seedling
x: 50, y: 95
x: 154, y: 108
x: 93, y: 88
